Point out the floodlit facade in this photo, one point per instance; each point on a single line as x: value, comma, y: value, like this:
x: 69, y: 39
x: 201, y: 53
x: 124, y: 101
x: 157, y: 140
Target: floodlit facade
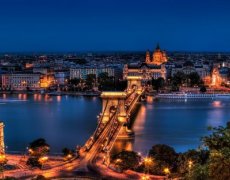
x: 81, y: 73
x: 152, y: 68
x: 21, y: 81
x: 159, y: 57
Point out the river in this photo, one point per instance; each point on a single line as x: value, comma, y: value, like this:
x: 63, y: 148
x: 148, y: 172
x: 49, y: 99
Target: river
x: 67, y: 121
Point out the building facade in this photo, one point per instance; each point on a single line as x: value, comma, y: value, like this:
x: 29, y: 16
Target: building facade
x: 146, y: 71
x: 159, y: 57
x: 81, y: 73
x: 20, y: 81
x: 152, y: 68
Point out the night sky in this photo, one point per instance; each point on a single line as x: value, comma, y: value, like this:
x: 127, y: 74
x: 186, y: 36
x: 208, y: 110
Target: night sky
x: 114, y: 25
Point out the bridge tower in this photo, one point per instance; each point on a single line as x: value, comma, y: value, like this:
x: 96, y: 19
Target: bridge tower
x: 134, y: 82
x: 2, y: 144
x: 113, y: 102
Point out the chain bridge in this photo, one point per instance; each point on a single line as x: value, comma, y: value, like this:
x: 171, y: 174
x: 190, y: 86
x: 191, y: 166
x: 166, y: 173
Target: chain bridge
x: 114, y: 118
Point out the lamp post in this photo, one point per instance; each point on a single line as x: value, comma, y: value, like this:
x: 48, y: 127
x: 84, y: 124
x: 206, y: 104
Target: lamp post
x: 166, y: 172
x: 147, y: 162
x: 190, y: 164
x: 42, y: 160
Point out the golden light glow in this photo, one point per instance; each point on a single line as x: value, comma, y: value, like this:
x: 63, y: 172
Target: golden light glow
x: 166, y: 171
x: 216, y: 104
x: 58, y: 98
x: 145, y: 177
x: 149, y: 99
x: 69, y: 156
x: 111, y: 94
x: 190, y: 163
x: 43, y: 159
x: 46, y: 81
x: 4, y: 96
x: 2, y: 157
x: 134, y: 77
x: 31, y: 151
x: 148, y: 160
x: 118, y: 160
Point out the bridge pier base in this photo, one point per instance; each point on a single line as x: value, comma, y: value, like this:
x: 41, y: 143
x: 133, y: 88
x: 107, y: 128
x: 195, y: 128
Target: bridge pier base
x: 126, y: 133
x: 2, y: 144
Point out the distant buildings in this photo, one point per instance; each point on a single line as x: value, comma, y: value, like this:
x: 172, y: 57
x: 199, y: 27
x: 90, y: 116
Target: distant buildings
x: 151, y: 68
x: 82, y: 72
x: 36, y: 72
x: 20, y: 81
x: 188, y: 67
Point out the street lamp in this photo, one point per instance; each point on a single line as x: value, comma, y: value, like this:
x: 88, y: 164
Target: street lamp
x: 166, y: 172
x: 145, y: 177
x: 147, y: 162
x: 190, y: 164
x: 42, y: 160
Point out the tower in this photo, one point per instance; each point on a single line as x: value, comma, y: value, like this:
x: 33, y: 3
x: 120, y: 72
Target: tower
x: 2, y: 144
x: 159, y: 56
x: 147, y: 57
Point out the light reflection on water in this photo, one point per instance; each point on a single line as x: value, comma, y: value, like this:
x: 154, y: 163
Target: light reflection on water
x: 66, y: 121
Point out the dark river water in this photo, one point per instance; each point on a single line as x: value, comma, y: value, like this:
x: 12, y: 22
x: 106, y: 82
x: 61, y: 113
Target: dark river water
x: 68, y: 121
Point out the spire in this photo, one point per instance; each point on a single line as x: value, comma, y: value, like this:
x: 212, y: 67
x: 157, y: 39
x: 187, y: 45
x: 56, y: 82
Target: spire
x: 158, y: 46
x: 147, y: 57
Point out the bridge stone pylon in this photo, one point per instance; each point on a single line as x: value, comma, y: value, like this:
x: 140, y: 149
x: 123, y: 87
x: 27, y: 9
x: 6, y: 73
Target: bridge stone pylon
x: 134, y: 82
x: 2, y: 144
x: 111, y: 102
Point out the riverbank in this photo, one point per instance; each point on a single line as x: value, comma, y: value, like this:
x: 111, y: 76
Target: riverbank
x: 62, y: 93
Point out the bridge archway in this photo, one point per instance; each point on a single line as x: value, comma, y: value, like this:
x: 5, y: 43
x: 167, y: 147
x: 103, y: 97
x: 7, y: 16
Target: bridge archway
x: 113, y: 102
x: 134, y: 83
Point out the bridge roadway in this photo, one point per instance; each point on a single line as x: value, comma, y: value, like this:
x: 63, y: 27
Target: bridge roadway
x: 106, y: 140
x: 88, y: 160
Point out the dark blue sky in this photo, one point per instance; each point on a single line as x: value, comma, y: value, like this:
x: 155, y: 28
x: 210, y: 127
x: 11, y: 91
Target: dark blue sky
x: 106, y: 25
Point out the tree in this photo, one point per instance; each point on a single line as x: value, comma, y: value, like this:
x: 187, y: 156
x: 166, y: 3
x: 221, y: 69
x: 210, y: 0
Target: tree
x: 198, y: 172
x: 187, y: 160
x: 164, y: 156
x: 74, y: 81
x: 39, y: 148
x: 121, y: 85
x: 194, y: 79
x: 219, y: 145
x: 126, y: 160
x: 37, y: 151
x: 220, y: 138
x: 203, y: 89
x: 219, y: 164
x: 90, y: 81
x: 67, y: 153
x: 105, y: 81
x: 178, y: 79
x: 158, y: 83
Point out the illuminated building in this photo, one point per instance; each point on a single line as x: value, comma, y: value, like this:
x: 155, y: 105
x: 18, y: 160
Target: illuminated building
x: 46, y: 81
x: 147, y: 57
x: 150, y: 69
x: 61, y: 77
x: 146, y: 71
x: 21, y: 81
x: 159, y: 57
x: 216, y: 78
x: 188, y: 67
x: 81, y: 73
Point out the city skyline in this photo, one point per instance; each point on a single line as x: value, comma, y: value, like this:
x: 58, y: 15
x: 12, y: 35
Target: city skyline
x: 58, y: 26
